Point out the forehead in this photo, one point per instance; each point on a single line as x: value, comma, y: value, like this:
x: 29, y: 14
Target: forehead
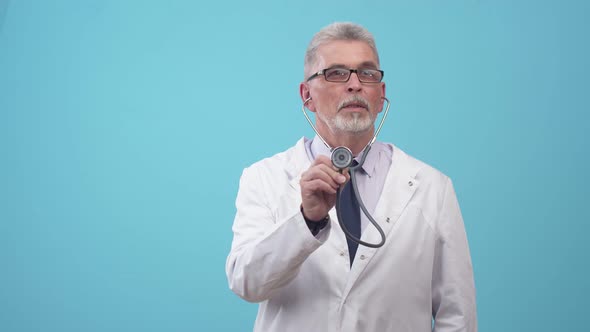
x: 350, y: 53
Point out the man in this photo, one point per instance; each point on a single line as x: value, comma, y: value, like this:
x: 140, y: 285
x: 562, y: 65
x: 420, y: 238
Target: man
x: 289, y: 252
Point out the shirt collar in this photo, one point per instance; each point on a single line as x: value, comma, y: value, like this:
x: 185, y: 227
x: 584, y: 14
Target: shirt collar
x: 318, y: 148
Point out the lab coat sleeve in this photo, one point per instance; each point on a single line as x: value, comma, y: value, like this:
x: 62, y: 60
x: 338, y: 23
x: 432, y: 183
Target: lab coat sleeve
x: 453, y: 288
x: 266, y: 252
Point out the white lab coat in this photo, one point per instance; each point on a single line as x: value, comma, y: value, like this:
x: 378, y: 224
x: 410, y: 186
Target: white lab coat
x: 305, y: 284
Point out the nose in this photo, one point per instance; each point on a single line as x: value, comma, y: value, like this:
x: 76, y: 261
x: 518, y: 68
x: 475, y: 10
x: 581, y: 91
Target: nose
x: 353, y: 84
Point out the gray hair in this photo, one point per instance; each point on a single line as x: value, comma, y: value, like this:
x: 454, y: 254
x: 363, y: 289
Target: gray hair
x: 333, y: 32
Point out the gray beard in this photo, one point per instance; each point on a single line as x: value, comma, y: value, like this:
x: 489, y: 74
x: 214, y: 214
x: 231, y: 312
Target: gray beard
x: 353, y: 123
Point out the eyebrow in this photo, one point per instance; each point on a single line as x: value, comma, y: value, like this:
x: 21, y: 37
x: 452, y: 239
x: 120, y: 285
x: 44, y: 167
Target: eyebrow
x: 366, y: 64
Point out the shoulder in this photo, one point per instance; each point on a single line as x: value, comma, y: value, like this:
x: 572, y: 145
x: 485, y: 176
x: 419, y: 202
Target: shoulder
x: 432, y: 190
x: 428, y: 176
x: 418, y: 166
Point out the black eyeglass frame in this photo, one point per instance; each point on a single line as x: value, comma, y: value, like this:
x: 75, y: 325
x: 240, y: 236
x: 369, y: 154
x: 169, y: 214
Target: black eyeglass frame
x: 350, y: 71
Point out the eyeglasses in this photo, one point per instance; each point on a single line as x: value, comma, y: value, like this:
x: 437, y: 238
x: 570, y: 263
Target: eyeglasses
x: 341, y: 75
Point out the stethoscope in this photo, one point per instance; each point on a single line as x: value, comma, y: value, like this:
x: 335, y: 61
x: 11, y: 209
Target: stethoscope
x: 342, y: 158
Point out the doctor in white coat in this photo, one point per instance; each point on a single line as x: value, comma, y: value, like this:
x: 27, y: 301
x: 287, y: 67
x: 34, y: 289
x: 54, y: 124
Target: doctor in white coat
x: 289, y: 253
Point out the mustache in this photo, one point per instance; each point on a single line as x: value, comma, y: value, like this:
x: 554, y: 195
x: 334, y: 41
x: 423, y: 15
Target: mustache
x: 353, y: 100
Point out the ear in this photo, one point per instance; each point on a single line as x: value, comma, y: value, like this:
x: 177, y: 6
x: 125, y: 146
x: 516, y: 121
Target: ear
x: 305, y: 94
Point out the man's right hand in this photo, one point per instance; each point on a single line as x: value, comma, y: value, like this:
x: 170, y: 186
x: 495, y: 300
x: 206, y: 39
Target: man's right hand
x: 319, y: 185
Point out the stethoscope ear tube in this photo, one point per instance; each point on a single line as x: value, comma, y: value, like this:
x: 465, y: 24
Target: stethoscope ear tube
x: 326, y: 143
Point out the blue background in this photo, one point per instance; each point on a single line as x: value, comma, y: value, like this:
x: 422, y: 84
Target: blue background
x: 125, y: 125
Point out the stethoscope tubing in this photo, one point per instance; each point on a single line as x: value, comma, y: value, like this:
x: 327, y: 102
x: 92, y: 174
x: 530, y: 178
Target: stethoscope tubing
x: 352, y: 172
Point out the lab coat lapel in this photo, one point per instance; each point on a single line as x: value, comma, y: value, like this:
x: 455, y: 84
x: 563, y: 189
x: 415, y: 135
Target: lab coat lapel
x: 399, y: 188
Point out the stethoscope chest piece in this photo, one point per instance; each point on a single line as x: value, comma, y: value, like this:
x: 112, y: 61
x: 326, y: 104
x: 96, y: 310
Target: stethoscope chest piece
x: 341, y: 157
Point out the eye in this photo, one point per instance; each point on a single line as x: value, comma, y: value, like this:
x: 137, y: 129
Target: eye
x: 367, y: 72
x: 372, y: 75
x: 335, y: 73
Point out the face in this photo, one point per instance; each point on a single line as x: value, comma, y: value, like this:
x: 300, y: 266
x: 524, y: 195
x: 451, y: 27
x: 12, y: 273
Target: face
x: 348, y: 107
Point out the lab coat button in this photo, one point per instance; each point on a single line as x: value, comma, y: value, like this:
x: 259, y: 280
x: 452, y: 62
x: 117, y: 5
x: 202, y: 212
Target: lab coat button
x: 342, y: 253
x: 363, y: 257
x: 410, y: 183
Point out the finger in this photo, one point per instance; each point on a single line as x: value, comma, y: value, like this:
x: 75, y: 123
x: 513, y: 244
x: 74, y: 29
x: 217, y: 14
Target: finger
x: 346, y: 173
x: 325, y: 160
x: 317, y: 185
x: 315, y: 175
x: 324, y: 172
